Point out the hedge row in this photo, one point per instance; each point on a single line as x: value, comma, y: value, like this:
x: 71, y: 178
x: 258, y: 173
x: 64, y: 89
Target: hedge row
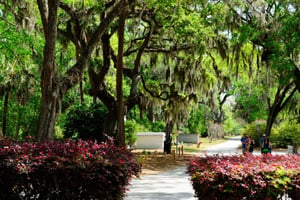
x: 245, y: 177
x: 65, y: 170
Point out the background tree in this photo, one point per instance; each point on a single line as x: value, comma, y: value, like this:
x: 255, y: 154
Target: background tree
x: 18, y: 76
x: 265, y: 24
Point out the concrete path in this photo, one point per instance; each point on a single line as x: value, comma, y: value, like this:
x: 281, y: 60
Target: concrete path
x: 231, y: 146
x: 169, y: 185
x: 175, y: 184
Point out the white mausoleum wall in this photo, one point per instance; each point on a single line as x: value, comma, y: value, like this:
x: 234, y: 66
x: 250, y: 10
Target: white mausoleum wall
x: 188, y: 138
x: 150, y: 140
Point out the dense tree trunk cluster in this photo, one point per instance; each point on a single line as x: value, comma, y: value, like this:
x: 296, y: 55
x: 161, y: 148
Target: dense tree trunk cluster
x: 54, y: 88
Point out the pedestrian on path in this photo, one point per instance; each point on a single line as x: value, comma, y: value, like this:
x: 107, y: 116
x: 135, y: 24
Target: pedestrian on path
x: 244, y: 143
x: 251, y: 143
x: 265, y: 144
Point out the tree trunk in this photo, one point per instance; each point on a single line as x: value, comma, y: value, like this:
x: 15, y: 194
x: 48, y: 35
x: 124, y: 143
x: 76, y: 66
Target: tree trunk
x: 168, y: 141
x: 279, y: 103
x: 53, y: 89
x: 18, y: 121
x: 121, y: 131
x: 5, y: 109
x: 81, y: 92
x: 150, y: 114
x: 47, y: 118
x: 297, y: 75
x: 110, y: 124
x: 273, y: 112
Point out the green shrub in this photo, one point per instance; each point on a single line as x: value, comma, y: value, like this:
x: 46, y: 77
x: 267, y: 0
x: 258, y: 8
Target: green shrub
x: 288, y: 133
x: 130, y: 136
x: 85, y: 122
x: 231, y: 125
x: 158, y: 126
x: 197, y: 122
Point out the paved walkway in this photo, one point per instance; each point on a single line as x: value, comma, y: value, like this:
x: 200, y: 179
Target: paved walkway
x: 175, y: 184
x: 231, y: 146
x: 169, y: 185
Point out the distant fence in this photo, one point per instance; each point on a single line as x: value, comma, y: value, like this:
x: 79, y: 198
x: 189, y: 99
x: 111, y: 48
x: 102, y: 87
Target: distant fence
x: 158, y: 158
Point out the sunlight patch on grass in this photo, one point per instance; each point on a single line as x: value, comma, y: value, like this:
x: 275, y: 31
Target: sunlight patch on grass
x: 192, y: 148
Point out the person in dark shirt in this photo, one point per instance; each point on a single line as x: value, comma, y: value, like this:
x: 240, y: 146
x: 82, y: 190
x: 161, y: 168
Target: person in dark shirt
x: 244, y: 143
x: 251, y: 143
x: 265, y: 144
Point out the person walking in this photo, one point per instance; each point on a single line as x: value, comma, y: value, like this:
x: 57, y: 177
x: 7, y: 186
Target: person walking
x: 261, y: 142
x: 265, y: 145
x: 244, y: 143
x: 251, y: 143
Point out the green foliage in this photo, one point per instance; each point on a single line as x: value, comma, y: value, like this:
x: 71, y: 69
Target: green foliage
x: 158, y: 126
x: 111, y: 84
x: 144, y: 124
x: 85, y: 122
x: 187, y: 31
x: 130, y: 128
x: 231, y: 125
x: 287, y: 133
x: 21, y: 119
x: 197, y: 123
x: 250, y: 101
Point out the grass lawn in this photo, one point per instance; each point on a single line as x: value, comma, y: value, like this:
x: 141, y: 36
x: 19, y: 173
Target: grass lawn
x: 192, y: 148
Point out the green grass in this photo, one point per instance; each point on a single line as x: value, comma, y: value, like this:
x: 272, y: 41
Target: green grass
x: 192, y: 148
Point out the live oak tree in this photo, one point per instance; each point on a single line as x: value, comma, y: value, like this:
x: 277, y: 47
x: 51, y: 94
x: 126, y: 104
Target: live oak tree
x: 144, y: 31
x: 176, y: 54
x: 177, y: 75
x: 53, y: 84
x: 108, y: 61
x: 273, y: 28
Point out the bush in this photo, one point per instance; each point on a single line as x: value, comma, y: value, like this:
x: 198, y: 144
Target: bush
x: 130, y: 135
x: 65, y: 170
x: 287, y: 133
x: 197, y: 121
x: 158, y: 126
x: 85, y: 122
x: 250, y: 177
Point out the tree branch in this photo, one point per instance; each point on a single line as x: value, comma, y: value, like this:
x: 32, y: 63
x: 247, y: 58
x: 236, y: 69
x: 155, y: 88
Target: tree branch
x: 152, y: 93
x: 75, y: 73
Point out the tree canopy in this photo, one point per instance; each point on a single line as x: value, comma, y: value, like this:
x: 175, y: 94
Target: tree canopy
x: 164, y: 57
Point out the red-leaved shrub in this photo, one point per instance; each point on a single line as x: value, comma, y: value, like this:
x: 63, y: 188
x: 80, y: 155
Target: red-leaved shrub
x: 250, y: 176
x: 65, y: 170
